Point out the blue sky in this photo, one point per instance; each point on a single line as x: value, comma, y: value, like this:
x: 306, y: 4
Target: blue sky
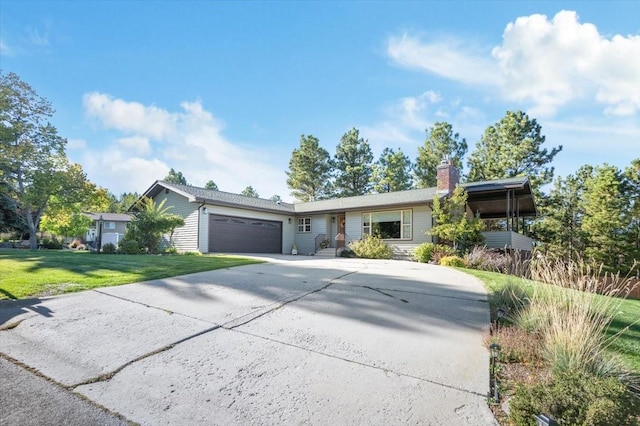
x: 223, y: 90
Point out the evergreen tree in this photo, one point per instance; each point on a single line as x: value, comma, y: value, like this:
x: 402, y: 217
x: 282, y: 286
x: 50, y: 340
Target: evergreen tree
x: 392, y: 172
x: 441, y: 142
x: 559, y: 228
x: 250, y: 192
x: 211, y: 185
x: 513, y: 147
x: 353, y: 165
x: 276, y: 198
x: 606, y: 219
x: 309, y: 174
x: 176, y: 177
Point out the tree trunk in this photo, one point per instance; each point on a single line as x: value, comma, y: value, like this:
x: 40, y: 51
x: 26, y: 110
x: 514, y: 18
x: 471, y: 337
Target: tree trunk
x: 33, y: 230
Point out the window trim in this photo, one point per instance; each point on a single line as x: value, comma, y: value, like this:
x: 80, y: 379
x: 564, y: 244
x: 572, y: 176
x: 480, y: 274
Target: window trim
x: 402, y: 223
x: 304, y: 225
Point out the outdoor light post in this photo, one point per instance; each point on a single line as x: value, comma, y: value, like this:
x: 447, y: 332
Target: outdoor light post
x: 495, y: 351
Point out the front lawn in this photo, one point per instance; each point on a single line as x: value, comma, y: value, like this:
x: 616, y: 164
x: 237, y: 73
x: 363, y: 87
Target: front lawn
x: 25, y: 273
x: 625, y: 321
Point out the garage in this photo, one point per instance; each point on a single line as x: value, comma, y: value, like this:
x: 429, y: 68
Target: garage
x: 242, y: 235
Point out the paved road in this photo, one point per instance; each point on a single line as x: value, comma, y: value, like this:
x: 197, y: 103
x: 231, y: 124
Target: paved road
x: 295, y: 340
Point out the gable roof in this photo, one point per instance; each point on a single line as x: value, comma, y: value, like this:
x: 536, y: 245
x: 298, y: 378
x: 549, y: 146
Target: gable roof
x: 202, y: 195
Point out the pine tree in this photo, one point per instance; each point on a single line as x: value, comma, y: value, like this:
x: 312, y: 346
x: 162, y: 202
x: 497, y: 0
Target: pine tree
x: 176, y: 177
x: 513, y: 147
x: 392, y: 172
x: 250, y: 192
x: 309, y: 174
x: 211, y: 185
x: 441, y: 142
x: 353, y: 165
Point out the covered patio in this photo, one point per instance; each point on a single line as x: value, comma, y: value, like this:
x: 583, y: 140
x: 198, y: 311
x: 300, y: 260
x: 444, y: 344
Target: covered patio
x: 507, y: 202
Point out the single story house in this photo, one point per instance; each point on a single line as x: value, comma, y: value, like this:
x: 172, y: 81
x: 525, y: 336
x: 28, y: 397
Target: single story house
x: 217, y: 221
x: 106, y: 228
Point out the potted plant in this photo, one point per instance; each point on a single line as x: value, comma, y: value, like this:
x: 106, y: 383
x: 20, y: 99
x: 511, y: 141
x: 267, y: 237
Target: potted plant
x: 294, y: 249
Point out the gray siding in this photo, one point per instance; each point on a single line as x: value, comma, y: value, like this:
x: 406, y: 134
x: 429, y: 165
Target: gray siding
x: 185, y: 238
x: 305, y: 241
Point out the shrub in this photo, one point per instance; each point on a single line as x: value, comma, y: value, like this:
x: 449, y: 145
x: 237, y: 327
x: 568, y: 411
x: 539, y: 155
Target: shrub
x: 52, y: 244
x: 424, y: 252
x: 75, y: 243
x: 109, y: 248
x: 371, y: 247
x: 575, y: 398
x: 192, y: 253
x: 452, y: 261
x: 517, y: 345
x: 128, y: 246
x: 171, y: 250
x: 440, y: 251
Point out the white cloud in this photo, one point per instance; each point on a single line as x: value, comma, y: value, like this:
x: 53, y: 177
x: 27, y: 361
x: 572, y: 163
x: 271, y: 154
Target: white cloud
x: 547, y: 63
x: 446, y: 58
x: 37, y: 37
x: 76, y: 144
x: 5, y: 50
x: 136, y: 144
x: 129, y: 117
x: 190, y: 141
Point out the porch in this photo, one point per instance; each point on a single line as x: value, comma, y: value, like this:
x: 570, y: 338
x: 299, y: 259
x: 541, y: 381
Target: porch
x: 507, y: 240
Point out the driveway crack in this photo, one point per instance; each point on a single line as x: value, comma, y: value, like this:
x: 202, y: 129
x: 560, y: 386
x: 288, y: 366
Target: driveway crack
x: 363, y: 364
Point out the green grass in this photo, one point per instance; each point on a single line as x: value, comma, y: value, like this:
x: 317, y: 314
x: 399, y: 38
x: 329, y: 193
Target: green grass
x: 25, y: 273
x: 624, y: 321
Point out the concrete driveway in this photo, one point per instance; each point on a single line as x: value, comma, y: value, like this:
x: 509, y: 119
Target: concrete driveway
x: 297, y: 340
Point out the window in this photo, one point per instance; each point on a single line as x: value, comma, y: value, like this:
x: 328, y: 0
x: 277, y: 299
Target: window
x: 109, y: 225
x: 393, y: 225
x: 304, y: 224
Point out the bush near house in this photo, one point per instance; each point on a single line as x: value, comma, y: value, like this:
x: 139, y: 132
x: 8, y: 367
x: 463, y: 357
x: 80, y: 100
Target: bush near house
x: 371, y: 247
x: 424, y: 252
x: 109, y: 248
x: 452, y: 261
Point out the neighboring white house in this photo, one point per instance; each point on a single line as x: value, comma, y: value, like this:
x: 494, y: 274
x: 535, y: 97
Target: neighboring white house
x: 217, y: 221
x: 107, y: 228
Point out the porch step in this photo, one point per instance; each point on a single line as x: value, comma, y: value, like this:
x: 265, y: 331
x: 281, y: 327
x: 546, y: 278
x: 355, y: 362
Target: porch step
x: 328, y: 252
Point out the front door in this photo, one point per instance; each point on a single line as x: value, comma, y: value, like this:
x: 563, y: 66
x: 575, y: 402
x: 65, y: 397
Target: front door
x: 340, y: 238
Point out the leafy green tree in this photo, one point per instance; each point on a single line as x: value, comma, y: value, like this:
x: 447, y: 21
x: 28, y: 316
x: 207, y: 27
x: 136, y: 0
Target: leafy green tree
x: 33, y: 163
x: 353, y: 165
x: 65, y: 216
x: 176, y: 177
x: 392, y: 172
x: 151, y: 221
x: 606, y: 218
x: 276, y: 198
x: 453, y: 224
x: 513, y: 147
x: 250, y: 192
x: 211, y: 185
x: 441, y: 142
x: 309, y: 174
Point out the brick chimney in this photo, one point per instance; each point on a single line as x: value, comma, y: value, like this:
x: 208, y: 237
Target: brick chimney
x: 447, y: 176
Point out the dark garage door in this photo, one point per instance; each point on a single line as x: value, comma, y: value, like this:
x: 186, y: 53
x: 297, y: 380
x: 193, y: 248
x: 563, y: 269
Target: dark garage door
x: 242, y: 235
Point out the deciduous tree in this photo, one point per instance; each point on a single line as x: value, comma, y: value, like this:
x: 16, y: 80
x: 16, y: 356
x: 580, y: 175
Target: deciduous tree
x: 453, y: 223
x: 441, y: 142
x: 309, y: 174
x: 392, y: 172
x: 353, y: 165
x: 33, y: 163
